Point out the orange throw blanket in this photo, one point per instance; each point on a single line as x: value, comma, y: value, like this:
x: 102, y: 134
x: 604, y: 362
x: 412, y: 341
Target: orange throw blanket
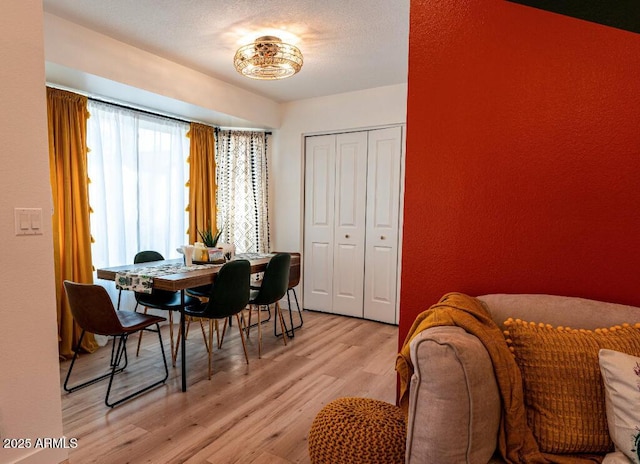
x: 516, y: 442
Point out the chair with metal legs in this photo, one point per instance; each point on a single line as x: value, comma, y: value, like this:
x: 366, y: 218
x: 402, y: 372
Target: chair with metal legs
x: 273, y: 287
x: 160, y: 299
x: 294, y: 281
x: 229, y: 296
x: 93, y: 311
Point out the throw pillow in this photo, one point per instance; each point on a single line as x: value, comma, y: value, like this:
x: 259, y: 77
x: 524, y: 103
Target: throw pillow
x: 621, y: 374
x: 563, y: 388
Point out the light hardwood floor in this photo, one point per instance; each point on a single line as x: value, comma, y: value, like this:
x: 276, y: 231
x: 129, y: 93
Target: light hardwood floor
x: 247, y: 414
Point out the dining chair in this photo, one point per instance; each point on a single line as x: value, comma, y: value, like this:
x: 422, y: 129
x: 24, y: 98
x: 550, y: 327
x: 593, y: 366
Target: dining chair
x: 273, y: 287
x: 228, y: 296
x: 294, y: 281
x: 160, y: 299
x: 93, y: 311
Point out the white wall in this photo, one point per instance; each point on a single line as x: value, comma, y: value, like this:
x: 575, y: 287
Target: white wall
x: 84, y: 60
x: 364, y: 109
x: 30, y: 405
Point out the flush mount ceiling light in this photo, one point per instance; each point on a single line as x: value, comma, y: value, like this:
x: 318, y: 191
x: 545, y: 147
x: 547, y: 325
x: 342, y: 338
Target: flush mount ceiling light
x: 268, y: 58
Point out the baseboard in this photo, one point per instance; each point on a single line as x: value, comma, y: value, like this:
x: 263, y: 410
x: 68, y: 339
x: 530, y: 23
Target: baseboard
x: 45, y: 456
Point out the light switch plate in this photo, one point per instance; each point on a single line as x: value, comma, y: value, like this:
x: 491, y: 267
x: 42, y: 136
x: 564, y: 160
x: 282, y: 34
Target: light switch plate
x: 28, y: 221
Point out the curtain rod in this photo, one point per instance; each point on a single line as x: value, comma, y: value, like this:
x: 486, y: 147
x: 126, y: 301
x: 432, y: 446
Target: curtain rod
x: 139, y: 110
x: 152, y: 113
x: 146, y: 111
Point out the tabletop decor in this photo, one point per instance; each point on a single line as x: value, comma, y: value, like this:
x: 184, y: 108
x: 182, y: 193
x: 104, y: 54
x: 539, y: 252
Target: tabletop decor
x: 208, y: 250
x: 210, y: 239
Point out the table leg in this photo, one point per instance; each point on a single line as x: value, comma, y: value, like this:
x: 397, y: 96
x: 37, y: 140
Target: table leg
x: 183, y: 345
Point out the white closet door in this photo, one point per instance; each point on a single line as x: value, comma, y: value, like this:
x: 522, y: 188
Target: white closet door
x: 319, y: 222
x: 350, y: 214
x: 383, y: 203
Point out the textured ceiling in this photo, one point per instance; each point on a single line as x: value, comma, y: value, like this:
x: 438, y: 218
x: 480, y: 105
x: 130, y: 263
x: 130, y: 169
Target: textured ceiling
x: 347, y: 44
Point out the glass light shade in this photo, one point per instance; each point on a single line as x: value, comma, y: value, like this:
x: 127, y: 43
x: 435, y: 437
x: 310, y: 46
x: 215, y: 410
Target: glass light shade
x: 268, y: 58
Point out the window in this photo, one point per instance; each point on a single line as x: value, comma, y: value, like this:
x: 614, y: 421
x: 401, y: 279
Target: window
x: 138, y: 169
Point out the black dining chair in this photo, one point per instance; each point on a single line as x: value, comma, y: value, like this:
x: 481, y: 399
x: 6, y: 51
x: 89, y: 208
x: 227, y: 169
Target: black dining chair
x: 160, y: 299
x: 294, y: 281
x: 228, y: 296
x: 273, y: 287
x: 93, y: 311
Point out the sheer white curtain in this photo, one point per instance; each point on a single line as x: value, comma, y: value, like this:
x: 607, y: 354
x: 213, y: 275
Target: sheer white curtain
x: 242, y: 200
x: 138, y: 170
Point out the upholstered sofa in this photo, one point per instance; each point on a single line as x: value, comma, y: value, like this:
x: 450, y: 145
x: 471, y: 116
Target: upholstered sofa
x: 455, y: 403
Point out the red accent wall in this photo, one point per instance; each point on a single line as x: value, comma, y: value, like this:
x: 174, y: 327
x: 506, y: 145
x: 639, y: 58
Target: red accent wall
x: 523, y: 155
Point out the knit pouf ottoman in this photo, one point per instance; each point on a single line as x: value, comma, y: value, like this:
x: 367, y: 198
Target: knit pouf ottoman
x: 358, y: 431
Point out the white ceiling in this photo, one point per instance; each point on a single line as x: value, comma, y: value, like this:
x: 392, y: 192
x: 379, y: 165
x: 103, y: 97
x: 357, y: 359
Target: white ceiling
x: 347, y: 45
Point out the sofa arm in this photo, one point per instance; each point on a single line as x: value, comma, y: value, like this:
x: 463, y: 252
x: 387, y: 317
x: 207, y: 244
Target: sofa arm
x: 454, y: 405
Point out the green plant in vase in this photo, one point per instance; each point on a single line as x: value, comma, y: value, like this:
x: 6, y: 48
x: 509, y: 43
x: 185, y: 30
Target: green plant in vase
x: 210, y: 240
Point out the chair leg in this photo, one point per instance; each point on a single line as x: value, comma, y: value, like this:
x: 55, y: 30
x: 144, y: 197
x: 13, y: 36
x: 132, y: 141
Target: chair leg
x: 241, y: 330
x: 173, y: 356
x: 282, y: 326
x: 112, y: 364
x: 140, y: 335
x: 187, y: 326
x: 210, y: 346
x: 118, y: 353
x: 116, y: 357
x: 224, y: 331
x: 257, y: 308
x: 204, y: 335
x: 122, y: 347
x: 259, y: 335
x: 298, y: 306
x: 245, y: 325
x: 291, y: 332
x: 122, y: 340
x: 248, y: 327
x: 275, y: 325
x: 218, y: 338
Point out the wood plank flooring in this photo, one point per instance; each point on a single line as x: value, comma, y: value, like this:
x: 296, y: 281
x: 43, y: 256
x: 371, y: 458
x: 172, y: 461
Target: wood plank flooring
x: 246, y: 414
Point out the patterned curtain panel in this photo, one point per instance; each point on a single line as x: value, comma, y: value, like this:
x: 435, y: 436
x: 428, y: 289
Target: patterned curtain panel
x: 242, y: 200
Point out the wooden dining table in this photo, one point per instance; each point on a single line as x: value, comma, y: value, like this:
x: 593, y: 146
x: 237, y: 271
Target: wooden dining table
x: 182, y: 281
